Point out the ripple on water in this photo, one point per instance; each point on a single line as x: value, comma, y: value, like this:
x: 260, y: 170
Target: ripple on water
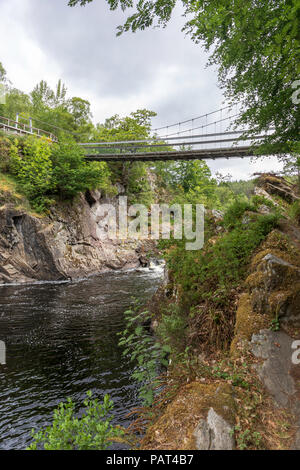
x: 61, y: 341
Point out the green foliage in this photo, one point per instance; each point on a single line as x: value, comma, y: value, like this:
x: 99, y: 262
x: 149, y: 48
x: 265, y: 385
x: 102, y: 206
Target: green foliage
x: 33, y: 169
x: 218, y: 268
x: 187, y: 182
x: 275, y: 324
x: 138, y: 186
x: 228, y: 191
x: 171, y: 329
x: 247, y: 438
x: 49, y: 109
x: 5, y: 154
x: 92, y: 431
x: 235, y: 212
x: 136, y: 126
x: 231, y: 373
x: 135, y: 177
x: 2, y: 73
x: 71, y: 173
x: 44, y: 170
x: 294, y: 211
x: 142, y: 349
x: 261, y: 200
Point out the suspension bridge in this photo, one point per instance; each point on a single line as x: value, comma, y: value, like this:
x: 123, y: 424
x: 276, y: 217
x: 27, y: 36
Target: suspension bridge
x: 208, y: 136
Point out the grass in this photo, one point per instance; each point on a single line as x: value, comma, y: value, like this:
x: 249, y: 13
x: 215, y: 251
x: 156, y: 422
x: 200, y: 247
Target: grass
x: 9, y: 194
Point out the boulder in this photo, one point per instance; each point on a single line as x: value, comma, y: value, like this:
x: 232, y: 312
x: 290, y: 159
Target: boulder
x: 278, y: 372
x: 214, y: 433
x: 275, y: 289
x: 277, y: 186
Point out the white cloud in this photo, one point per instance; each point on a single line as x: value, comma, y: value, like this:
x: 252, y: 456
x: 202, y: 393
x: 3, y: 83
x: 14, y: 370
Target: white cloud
x: 25, y: 61
x: 244, y: 168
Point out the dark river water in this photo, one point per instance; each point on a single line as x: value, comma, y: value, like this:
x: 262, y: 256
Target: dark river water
x: 62, y: 341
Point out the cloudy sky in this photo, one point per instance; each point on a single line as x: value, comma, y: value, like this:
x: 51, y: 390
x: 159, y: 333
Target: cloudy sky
x: 158, y: 69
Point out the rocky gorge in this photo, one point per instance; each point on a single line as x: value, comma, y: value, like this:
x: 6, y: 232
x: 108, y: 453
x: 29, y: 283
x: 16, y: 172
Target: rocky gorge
x: 71, y: 241
x: 245, y: 397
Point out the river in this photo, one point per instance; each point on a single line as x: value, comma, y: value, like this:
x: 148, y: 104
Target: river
x: 61, y: 341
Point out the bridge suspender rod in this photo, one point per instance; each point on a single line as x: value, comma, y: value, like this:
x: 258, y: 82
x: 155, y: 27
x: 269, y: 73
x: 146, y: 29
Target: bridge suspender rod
x: 164, y: 144
x: 190, y: 120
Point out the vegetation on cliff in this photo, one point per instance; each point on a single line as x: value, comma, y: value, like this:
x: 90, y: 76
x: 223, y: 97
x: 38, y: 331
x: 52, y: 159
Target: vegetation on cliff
x: 45, y: 171
x: 206, y: 313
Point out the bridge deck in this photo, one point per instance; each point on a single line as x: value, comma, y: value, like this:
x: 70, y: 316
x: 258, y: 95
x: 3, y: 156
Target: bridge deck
x: 196, y: 154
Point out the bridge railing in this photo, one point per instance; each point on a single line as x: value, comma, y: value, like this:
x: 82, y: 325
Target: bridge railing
x: 21, y: 128
x: 228, y: 139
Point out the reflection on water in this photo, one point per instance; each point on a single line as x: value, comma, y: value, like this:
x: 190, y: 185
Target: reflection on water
x: 61, y: 341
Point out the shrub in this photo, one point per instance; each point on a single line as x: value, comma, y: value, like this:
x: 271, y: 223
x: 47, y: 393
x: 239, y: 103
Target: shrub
x: 261, y: 200
x: 5, y: 152
x: 171, y: 329
x: 236, y: 211
x: 71, y: 173
x: 222, y: 264
x: 207, y: 279
x: 138, y: 186
x: 44, y: 170
x: 294, y: 211
x: 142, y: 349
x: 33, y: 168
x: 92, y: 431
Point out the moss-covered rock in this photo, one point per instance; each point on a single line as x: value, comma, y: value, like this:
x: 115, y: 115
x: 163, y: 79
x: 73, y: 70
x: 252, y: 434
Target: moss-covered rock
x: 178, y: 427
x: 247, y: 323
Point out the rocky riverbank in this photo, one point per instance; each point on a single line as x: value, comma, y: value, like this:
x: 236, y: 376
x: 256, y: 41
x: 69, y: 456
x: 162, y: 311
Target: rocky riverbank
x: 248, y: 396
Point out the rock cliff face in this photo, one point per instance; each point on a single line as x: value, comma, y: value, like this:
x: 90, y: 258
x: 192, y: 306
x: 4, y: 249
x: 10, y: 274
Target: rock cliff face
x: 71, y: 242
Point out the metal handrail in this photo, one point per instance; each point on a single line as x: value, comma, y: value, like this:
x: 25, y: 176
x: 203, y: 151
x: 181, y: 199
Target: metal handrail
x: 21, y: 128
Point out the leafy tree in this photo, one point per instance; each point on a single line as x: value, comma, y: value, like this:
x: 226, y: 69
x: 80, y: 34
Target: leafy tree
x: 42, y: 96
x: 136, y: 126
x: 256, y: 45
x: 49, y: 108
x: 191, y: 174
x: 15, y: 101
x: 134, y: 175
x: 80, y: 110
x: 2, y: 74
x: 187, y: 181
x: 60, y: 93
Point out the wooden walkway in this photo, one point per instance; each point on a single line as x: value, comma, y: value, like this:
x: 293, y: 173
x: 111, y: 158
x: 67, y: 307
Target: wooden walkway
x: 197, y: 154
